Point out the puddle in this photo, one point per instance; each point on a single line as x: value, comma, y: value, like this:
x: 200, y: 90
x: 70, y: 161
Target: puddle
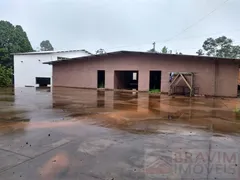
x: 132, y: 112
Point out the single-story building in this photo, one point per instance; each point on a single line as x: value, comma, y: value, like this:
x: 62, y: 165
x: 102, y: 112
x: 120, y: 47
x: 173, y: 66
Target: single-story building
x: 29, y: 70
x: 144, y: 71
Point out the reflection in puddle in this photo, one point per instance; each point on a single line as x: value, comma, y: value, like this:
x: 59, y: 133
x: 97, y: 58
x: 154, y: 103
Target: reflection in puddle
x: 132, y: 112
x: 101, y: 98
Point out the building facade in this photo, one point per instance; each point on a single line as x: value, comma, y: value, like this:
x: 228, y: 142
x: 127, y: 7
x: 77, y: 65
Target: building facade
x: 135, y: 70
x: 29, y: 69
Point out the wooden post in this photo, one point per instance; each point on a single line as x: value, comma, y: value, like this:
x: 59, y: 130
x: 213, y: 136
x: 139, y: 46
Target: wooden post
x: 174, y: 80
x: 192, y: 83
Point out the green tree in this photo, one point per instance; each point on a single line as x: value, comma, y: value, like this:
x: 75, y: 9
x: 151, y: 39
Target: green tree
x: 46, y: 46
x: 220, y: 47
x: 12, y: 40
x: 179, y: 53
x: 5, y: 76
x: 164, y: 50
x: 200, y: 52
x: 100, y: 51
x: 152, y: 51
x: 4, y: 58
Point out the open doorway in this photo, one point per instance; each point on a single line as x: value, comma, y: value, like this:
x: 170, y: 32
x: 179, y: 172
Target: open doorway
x: 43, y: 81
x: 155, y: 81
x: 126, y: 80
x: 101, y: 79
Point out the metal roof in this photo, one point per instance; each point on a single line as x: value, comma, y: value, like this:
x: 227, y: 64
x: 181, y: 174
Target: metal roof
x: 51, y: 52
x: 141, y: 53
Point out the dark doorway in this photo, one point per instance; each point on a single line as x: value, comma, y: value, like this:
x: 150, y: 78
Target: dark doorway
x: 155, y: 80
x: 43, y: 81
x: 126, y: 80
x: 101, y: 79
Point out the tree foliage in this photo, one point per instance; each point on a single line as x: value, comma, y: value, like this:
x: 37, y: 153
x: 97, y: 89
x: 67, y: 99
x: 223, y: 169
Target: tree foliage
x: 165, y: 50
x: 100, y: 51
x: 46, y: 46
x: 200, y: 52
x: 152, y: 51
x: 220, y: 47
x: 179, y: 53
x: 5, y: 76
x: 5, y: 58
x: 12, y: 40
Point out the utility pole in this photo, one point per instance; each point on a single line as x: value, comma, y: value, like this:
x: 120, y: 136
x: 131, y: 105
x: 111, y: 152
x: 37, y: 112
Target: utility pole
x: 154, y: 44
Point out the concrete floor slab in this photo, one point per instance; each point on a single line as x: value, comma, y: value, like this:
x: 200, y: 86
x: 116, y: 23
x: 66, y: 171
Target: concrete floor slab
x: 9, y: 159
x: 115, y: 135
x: 68, y: 162
x: 33, y: 143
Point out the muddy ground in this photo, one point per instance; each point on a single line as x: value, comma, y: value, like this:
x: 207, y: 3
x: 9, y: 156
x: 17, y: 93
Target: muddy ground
x: 89, y: 135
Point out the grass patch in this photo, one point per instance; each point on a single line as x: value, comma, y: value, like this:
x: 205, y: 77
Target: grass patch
x: 154, y: 91
x: 101, y: 85
x: 236, y: 110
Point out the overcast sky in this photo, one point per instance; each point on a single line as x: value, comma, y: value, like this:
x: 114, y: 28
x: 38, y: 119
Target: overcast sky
x: 123, y: 24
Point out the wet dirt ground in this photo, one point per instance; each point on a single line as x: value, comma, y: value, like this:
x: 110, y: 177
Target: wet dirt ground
x: 71, y: 134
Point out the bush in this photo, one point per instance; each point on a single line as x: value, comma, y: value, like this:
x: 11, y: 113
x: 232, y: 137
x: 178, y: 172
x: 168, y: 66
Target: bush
x: 154, y: 91
x: 101, y: 85
x: 5, y: 76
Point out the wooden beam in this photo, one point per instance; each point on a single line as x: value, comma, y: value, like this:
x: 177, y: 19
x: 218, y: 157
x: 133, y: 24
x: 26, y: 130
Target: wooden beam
x: 185, y: 73
x: 186, y: 81
x: 177, y: 81
x: 174, y: 80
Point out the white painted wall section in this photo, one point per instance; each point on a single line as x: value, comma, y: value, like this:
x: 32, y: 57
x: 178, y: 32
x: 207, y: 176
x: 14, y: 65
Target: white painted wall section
x: 28, y: 66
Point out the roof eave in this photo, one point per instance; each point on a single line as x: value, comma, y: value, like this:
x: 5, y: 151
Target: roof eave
x: 51, y: 52
x: 144, y: 53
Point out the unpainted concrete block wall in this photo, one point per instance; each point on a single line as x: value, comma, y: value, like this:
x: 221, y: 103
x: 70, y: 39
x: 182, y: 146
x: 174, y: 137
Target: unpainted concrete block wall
x: 212, y: 80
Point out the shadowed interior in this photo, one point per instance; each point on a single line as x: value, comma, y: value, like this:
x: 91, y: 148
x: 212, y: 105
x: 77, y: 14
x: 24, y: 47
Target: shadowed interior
x: 126, y: 80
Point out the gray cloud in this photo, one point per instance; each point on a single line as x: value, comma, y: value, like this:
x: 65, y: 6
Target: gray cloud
x: 122, y: 24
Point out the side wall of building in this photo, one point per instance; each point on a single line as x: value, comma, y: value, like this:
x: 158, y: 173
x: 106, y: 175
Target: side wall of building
x: 83, y: 73
x: 28, y: 67
x: 227, y: 79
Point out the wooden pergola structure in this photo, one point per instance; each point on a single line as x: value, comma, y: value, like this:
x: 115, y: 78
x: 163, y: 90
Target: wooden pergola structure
x: 181, y: 75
